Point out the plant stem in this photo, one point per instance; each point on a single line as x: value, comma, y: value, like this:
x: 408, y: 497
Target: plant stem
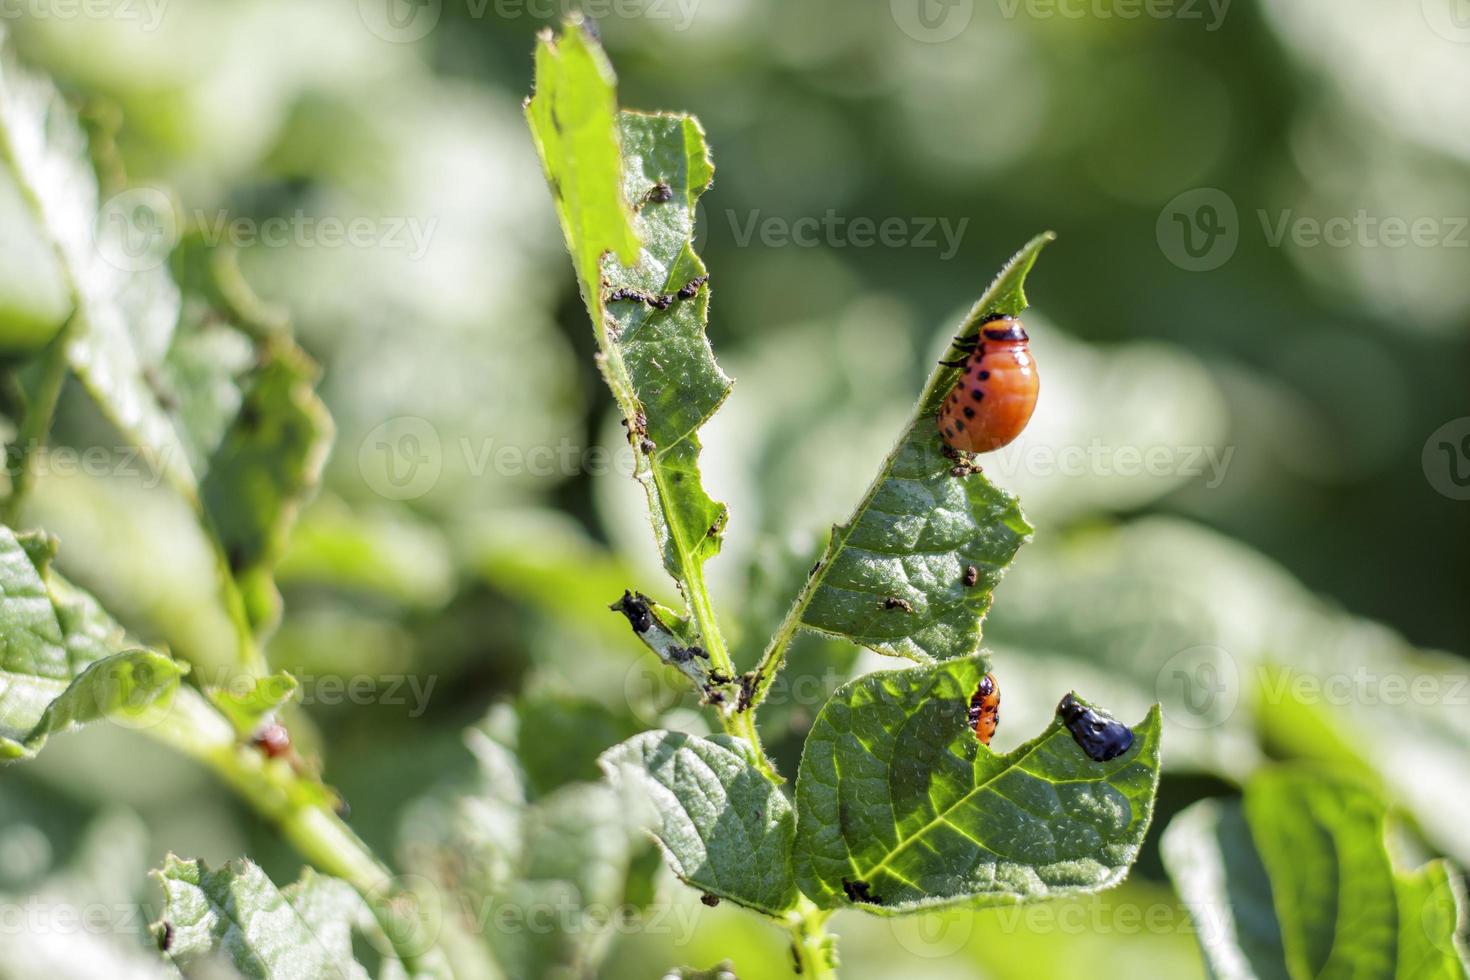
x: 36, y: 424
x: 813, y: 949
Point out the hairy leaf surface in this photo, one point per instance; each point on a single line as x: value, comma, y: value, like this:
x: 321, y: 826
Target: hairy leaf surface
x: 900, y: 807
x: 724, y: 827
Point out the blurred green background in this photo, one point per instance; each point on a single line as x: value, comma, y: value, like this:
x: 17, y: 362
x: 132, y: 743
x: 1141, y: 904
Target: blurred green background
x: 1302, y: 395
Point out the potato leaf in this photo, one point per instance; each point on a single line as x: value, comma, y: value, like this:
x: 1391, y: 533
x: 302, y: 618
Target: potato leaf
x: 63, y: 661
x: 899, y: 807
x: 1296, y: 881
x: 911, y: 573
x: 625, y: 186
x: 724, y: 827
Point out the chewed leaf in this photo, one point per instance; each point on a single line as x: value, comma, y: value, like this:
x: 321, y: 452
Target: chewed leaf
x: 625, y: 186
x: 238, y: 914
x: 912, y: 571
x: 63, y: 661
x: 725, y: 828
x: 899, y: 807
x: 1297, y: 881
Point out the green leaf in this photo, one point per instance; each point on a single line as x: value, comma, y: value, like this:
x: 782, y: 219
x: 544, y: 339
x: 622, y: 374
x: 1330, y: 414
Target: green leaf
x: 529, y: 885
x: 63, y: 661
x: 620, y: 180
x: 900, y: 807
x: 1208, y: 851
x: 893, y: 577
x: 1297, y: 881
x: 724, y: 828
x: 218, y: 399
x: 250, y: 702
x: 122, y: 312
x: 237, y: 913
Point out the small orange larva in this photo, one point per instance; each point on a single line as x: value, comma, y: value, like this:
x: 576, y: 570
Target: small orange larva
x: 985, y: 709
x: 993, y: 400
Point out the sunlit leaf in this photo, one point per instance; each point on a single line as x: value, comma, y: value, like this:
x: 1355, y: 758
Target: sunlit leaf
x: 725, y: 829
x: 625, y: 186
x: 63, y: 661
x: 1297, y: 882
x: 900, y: 807
x: 912, y: 571
x: 237, y: 914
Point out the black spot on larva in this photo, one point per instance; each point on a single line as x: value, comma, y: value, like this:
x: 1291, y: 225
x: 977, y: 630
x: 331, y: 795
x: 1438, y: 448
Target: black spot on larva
x: 959, y: 424
x: 969, y: 412
x: 635, y: 607
x: 977, y: 394
x: 858, y: 891
x: 984, y: 375
x: 1101, y: 737
x: 972, y: 575
x: 1009, y: 333
x: 710, y: 900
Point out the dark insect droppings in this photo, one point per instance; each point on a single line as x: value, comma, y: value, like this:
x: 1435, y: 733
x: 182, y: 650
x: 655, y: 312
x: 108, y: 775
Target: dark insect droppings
x: 635, y: 607
x: 1101, y: 737
x: 710, y: 900
x: 857, y: 891
x: 661, y: 193
x: 972, y: 575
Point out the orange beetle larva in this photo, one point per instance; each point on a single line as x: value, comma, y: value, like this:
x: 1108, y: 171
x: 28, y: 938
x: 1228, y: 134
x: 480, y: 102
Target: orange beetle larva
x: 993, y: 400
x: 985, y: 709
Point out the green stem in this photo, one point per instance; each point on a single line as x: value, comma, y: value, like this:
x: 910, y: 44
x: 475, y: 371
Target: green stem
x: 813, y: 948
x: 283, y: 797
x: 35, y: 426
